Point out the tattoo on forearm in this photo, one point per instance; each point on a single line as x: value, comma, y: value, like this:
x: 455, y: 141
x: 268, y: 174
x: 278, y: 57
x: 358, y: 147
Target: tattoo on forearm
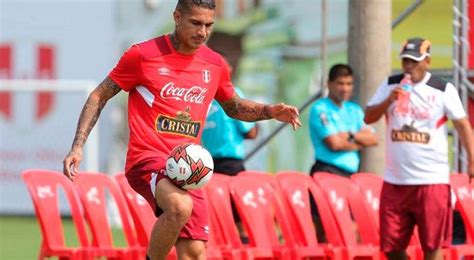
x: 89, y: 115
x: 245, y: 110
x: 175, y: 41
x: 109, y: 87
x: 91, y: 111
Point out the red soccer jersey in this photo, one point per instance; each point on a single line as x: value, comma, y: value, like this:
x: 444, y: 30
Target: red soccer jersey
x: 169, y: 97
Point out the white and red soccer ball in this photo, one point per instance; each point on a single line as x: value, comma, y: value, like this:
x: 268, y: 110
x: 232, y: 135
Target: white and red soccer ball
x: 189, y: 166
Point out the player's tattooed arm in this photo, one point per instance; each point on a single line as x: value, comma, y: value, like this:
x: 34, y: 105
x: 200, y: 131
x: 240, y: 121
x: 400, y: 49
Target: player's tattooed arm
x: 247, y: 110
x: 89, y: 115
x: 92, y: 109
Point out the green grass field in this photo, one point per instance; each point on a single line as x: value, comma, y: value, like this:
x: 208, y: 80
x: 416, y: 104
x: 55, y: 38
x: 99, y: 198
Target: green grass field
x: 20, y: 237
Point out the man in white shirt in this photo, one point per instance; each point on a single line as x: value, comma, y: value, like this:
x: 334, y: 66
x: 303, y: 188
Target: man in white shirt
x: 416, y: 180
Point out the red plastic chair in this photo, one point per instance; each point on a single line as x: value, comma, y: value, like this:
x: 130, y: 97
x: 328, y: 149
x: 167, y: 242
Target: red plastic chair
x: 259, y: 175
x: 221, y: 218
x: 142, y: 214
x: 464, y: 192
x: 93, y: 188
x: 296, y: 189
x: 259, y: 205
x: 216, y: 243
x: 345, y: 200
x: 255, y: 174
x: 43, y: 187
x: 371, y: 188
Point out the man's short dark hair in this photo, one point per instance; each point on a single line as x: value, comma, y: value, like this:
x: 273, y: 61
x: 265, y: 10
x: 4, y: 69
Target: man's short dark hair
x: 339, y: 70
x: 186, y: 5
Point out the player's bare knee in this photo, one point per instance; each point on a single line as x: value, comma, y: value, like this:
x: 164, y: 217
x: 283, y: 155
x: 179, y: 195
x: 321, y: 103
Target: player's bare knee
x: 180, y: 208
x: 191, y: 249
x: 197, y: 251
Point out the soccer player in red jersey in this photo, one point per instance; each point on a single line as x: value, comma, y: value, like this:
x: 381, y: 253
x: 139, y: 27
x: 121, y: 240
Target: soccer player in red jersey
x: 171, y: 81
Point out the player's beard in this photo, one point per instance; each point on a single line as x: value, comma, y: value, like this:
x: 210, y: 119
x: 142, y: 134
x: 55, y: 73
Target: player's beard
x: 198, y: 41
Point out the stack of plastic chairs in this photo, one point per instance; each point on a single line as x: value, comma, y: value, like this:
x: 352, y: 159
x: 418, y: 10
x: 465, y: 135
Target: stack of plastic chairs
x: 297, y: 189
x: 260, y: 205
x: 43, y: 187
x: 275, y: 211
x: 283, y: 214
x: 220, y: 205
x: 93, y: 188
x: 371, y: 187
x: 142, y: 214
x: 223, y: 235
x: 345, y: 200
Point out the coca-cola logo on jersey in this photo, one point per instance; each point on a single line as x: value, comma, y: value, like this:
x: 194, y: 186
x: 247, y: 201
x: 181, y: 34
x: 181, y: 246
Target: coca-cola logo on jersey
x: 194, y: 94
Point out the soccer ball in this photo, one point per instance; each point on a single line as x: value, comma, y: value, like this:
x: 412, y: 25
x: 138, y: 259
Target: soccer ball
x: 189, y: 166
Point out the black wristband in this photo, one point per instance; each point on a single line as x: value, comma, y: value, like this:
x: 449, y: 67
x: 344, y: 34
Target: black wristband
x: 351, y: 137
x: 265, y: 110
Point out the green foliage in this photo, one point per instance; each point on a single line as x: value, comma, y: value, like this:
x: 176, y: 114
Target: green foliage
x: 238, y: 25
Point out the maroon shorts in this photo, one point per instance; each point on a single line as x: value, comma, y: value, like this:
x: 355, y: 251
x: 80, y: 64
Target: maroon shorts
x: 404, y: 206
x: 144, y: 182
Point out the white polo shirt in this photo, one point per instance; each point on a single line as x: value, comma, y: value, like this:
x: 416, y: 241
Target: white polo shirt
x: 416, y: 141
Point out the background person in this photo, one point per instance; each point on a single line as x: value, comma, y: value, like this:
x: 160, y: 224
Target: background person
x: 337, y: 127
x: 171, y: 80
x: 416, y: 181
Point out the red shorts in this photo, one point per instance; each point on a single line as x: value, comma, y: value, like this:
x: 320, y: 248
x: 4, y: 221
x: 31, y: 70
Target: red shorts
x: 404, y: 206
x: 144, y: 182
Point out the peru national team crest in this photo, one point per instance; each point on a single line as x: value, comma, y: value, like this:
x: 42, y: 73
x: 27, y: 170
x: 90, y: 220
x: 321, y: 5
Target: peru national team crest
x: 206, y: 76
